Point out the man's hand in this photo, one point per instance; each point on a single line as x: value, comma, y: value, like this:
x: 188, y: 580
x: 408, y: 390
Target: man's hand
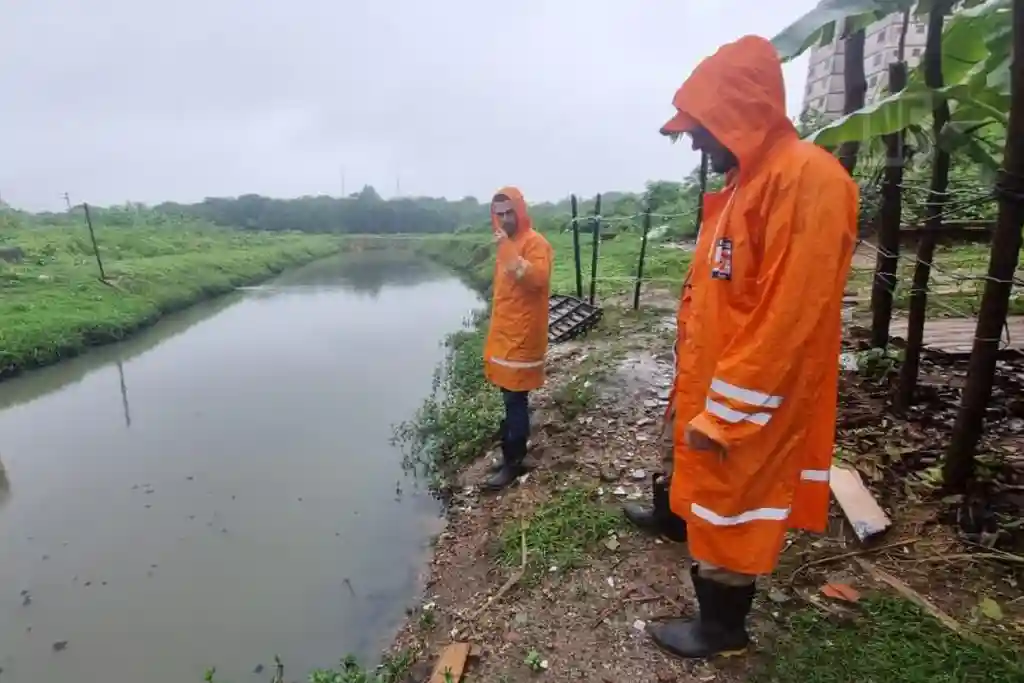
x: 516, y: 267
x: 500, y: 236
x: 699, y: 441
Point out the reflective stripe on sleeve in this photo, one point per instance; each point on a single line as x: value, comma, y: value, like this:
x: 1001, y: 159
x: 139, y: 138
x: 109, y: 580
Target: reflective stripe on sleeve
x: 814, y: 475
x: 726, y: 413
x: 754, y: 398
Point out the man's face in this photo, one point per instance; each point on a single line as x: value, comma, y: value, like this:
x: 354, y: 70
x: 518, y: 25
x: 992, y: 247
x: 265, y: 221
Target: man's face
x: 720, y: 158
x: 506, y: 214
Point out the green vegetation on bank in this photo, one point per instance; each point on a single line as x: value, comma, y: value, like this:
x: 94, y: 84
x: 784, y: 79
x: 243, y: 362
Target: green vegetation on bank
x: 53, y: 304
x: 559, y: 533
x: 891, y: 640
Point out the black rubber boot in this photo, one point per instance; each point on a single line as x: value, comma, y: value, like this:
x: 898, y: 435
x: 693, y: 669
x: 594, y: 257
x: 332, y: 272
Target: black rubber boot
x: 511, y: 466
x: 720, y: 627
x: 500, y: 436
x: 658, y: 519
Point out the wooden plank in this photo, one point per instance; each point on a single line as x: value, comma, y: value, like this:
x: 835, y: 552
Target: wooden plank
x: 451, y: 664
x: 866, y: 516
x: 956, y: 335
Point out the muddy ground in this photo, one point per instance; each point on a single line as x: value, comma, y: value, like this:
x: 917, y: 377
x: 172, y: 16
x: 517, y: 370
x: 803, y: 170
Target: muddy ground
x: 592, y: 585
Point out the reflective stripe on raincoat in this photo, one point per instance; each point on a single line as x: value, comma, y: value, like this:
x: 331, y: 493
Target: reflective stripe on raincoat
x: 757, y: 366
x: 518, y: 336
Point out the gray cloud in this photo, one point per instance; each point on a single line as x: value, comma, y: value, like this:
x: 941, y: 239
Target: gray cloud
x: 114, y: 100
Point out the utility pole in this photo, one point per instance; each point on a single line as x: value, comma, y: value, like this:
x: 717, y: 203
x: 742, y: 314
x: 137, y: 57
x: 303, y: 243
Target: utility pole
x: 343, y: 195
x: 67, y: 200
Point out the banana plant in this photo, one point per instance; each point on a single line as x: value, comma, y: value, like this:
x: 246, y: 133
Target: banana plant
x: 819, y: 26
x: 976, y: 70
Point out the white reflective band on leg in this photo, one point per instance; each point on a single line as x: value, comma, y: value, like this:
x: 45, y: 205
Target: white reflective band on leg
x: 729, y: 415
x: 759, y: 514
x: 814, y: 475
x: 517, y: 363
x: 754, y: 398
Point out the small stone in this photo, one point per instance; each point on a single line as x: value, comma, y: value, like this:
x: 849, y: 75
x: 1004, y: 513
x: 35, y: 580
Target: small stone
x: 619, y: 491
x: 639, y: 624
x: 612, y: 544
x: 777, y: 596
x: 544, y: 664
x: 610, y: 581
x: 639, y: 475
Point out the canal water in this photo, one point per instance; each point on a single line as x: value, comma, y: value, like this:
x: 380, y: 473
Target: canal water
x: 222, y: 487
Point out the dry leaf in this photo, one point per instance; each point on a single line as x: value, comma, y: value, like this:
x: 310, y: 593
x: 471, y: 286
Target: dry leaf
x: 840, y: 591
x: 991, y: 609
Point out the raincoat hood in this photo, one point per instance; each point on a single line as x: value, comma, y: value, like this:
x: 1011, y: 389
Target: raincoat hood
x: 522, y: 215
x: 738, y: 95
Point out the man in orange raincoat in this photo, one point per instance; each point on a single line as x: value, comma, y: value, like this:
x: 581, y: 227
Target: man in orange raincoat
x: 518, y: 336
x: 760, y: 327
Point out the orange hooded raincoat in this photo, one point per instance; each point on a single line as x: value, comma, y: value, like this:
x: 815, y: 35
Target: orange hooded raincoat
x: 518, y: 337
x: 760, y: 325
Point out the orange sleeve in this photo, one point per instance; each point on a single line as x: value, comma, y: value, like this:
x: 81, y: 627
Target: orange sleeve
x: 809, y: 240
x: 537, y: 253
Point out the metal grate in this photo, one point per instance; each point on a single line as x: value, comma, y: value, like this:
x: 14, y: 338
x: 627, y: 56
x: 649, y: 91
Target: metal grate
x: 569, y: 318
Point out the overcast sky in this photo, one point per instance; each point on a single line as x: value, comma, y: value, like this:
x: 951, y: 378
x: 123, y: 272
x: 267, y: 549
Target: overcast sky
x: 115, y: 100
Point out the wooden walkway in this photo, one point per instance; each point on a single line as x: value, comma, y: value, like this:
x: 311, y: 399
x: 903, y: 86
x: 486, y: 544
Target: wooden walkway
x: 955, y: 336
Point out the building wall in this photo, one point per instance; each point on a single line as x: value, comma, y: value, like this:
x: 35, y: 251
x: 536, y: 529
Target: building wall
x: 825, y: 92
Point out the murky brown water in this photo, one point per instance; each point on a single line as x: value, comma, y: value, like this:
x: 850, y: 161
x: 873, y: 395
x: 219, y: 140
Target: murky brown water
x: 221, y: 488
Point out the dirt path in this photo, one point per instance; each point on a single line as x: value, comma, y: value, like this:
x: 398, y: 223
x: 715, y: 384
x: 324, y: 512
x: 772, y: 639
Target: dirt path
x: 591, y: 584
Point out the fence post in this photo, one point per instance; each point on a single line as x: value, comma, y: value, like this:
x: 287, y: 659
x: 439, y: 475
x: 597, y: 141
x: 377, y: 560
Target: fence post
x: 703, y: 189
x: 643, y: 253
x: 596, y: 245
x: 95, y: 247
x: 576, y: 246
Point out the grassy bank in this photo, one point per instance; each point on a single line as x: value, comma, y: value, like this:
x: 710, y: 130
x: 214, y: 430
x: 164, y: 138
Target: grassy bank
x: 54, y: 306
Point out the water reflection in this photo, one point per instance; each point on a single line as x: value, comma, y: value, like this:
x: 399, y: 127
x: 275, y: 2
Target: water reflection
x: 221, y: 487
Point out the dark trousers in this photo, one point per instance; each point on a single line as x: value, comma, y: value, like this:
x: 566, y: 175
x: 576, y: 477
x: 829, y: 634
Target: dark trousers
x: 515, y: 428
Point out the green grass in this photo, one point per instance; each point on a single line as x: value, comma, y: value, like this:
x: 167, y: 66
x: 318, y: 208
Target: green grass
x: 53, y: 304
x: 392, y: 669
x: 460, y: 418
x: 891, y: 642
x: 559, y: 533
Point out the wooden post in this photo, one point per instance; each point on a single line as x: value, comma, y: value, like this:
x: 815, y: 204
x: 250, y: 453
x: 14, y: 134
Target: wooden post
x: 855, y: 85
x: 576, y: 246
x: 595, y: 248
x: 887, y: 260
x: 937, y: 198
x: 95, y: 247
x: 1006, y: 244
x: 703, y: 189
x: 643, y: 253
